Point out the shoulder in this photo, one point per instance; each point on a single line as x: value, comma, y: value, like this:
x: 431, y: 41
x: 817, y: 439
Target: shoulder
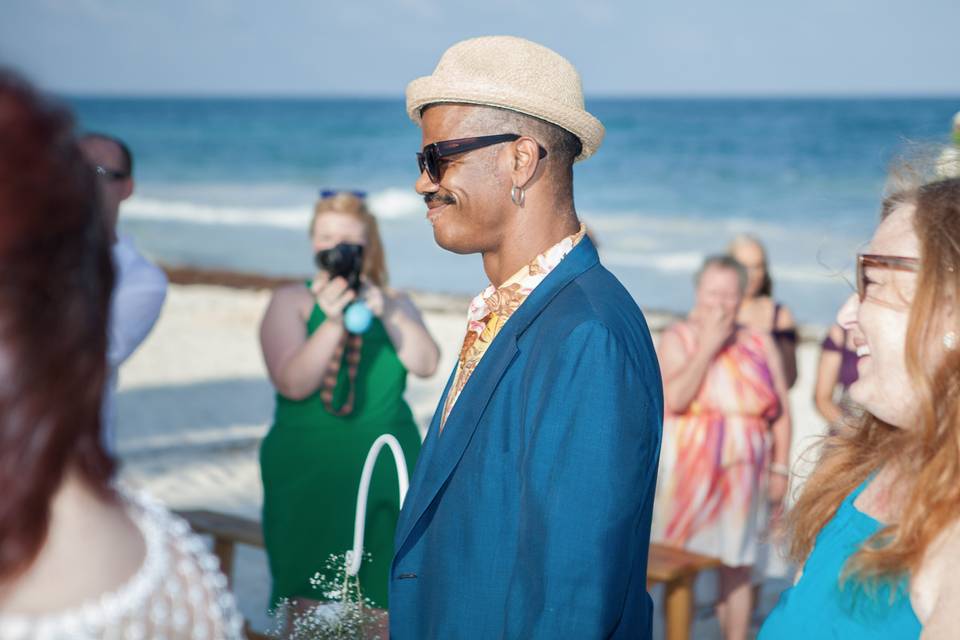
x: 936, y: 582
x: 596, y: 296
x: 399, y: 297
x: 292, y: 297
x: 784, y: 318
x: 134, y: 269
x: 837, y: 334
x: 186, y: 571
x: 682, y: 332
x: 760, y: 342
x: 751, y: 335
x: 835, y: 339
x: 174, y: 574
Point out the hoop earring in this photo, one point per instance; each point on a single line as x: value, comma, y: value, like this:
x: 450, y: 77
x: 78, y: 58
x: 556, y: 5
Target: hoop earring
x: 950, y: 340
x: 518, y: 195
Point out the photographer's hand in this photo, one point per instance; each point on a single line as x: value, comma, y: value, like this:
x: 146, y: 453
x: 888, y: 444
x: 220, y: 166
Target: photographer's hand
x: 332, y: 296
x: 374, y: 297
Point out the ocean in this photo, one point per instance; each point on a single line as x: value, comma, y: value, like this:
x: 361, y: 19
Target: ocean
x: 229, y: 183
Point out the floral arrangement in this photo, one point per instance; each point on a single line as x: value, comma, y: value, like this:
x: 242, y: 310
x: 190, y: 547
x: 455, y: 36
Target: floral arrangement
x: 342, y: 613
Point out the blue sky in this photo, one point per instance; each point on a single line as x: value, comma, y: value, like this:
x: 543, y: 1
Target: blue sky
x: 374, y: 47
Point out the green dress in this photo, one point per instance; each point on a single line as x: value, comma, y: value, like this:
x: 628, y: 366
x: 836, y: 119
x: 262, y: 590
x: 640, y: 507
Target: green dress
x: 311, y: 461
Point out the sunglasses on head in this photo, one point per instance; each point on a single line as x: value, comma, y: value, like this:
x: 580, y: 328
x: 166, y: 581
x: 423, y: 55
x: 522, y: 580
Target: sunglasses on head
x: 868, y: 260
x: 432, y: 156
x: 110, y: 174
x: 329, y: 193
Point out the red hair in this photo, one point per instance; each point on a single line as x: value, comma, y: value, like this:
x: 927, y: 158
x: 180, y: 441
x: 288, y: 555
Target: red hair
x: 374, y: 260
x: 926, y: 454
x: 54, y: 300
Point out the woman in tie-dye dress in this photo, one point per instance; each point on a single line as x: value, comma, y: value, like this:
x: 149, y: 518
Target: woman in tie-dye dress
x: 726, y: 437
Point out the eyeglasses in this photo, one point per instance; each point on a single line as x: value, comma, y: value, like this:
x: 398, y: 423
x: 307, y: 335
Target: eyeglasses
x: 329, y: 193
x: 867, y: 260
x: 110, y: 174
x: 431, y: 158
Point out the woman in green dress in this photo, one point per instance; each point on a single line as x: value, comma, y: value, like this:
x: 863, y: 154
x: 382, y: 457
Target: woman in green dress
x: 330, y: 409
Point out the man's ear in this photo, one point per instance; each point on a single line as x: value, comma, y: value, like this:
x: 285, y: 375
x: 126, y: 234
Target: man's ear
x: 525, y: 160
x: 127, y: 188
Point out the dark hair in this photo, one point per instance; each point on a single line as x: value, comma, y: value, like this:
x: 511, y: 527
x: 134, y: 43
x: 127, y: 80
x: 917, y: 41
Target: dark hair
x: 54, y: 300
x: 124, y: 149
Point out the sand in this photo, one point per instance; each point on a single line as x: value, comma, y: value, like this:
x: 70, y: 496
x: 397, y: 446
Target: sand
x: 194, y: 402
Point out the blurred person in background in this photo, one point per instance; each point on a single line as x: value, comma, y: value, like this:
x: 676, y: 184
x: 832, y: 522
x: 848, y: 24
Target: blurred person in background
x: 759, y: 310
x: 836, y: 371
x: 140, y: 286
x: 875, y: 528
x: 80, y: 556
x: 337, y: 392
x: 723, y: 466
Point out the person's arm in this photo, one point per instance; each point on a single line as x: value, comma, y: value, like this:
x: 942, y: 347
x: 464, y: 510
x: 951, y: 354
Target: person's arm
x: 828, y: 373
x: 786, y: 332
x: 935, y: 589
x: 683, y: 372
x: 586, y: 481
x: 415, y: 347
x: 295, y: 362
x: 134, y: 307
x: 780, y: 429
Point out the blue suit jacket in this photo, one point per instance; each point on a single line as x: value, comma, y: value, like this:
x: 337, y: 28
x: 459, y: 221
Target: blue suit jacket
x: 529, y: 517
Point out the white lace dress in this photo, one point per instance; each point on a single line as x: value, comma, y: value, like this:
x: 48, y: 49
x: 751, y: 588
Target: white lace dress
x: 178, y: 592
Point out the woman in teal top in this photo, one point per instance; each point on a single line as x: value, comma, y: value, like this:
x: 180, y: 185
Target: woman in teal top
x: 336, y: 393
x: 819, y: 608
x: 876, y: 527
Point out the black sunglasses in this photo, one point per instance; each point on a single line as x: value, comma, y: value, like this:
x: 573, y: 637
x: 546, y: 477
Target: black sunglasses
x: 329, y: 193
x: 110, y: 174
x: 431, y: 158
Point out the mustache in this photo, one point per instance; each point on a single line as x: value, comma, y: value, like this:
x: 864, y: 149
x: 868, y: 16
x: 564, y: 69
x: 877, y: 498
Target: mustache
x: 442, y: 198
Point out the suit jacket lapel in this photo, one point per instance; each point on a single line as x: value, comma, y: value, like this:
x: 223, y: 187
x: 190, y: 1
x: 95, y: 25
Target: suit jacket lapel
x: 441, y: 453
x: 423, y: 461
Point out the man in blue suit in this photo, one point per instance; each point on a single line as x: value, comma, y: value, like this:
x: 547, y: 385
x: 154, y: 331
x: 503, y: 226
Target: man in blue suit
x: 528, y: 514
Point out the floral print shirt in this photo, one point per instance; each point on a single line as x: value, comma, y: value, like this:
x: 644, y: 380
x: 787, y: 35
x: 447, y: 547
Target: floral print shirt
x: 491, y: 309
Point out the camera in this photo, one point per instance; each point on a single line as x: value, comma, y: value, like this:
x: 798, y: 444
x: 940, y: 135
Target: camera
x: 344, y: 260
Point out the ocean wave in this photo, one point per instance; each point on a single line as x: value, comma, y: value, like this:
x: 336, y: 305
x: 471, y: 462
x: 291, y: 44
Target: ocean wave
x: 388, y: 204
x: 293, y: 217
x: 614, y: 222
x: 687, y: 262
x: 669, y: 244
x: 396, y: 203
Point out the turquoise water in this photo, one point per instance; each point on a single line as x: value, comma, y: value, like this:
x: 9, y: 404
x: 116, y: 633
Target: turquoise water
x: 229, y: 183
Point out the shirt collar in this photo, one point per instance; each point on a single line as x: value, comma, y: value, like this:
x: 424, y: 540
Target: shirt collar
x: 529, y: 275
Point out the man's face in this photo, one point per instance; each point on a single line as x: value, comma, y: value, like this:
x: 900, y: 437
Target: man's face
x: 113, y: 191
x: 468, y: 209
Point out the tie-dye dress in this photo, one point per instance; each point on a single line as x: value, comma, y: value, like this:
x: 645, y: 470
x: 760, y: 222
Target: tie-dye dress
x: 713, y: 457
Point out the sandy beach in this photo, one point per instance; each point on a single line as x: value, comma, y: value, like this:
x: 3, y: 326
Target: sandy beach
x: 194, y: 403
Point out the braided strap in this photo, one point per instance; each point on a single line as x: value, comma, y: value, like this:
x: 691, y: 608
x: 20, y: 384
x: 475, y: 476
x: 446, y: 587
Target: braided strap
x: 349, y: 345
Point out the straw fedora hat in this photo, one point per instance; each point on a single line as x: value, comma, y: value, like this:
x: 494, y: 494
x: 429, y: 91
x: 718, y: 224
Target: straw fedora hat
x: 510, y: 73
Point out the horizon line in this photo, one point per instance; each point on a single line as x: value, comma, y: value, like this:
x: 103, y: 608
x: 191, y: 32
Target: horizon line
x: 335, y: 96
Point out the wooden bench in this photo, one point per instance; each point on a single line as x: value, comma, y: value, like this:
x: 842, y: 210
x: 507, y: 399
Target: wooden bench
x: 674, y: 568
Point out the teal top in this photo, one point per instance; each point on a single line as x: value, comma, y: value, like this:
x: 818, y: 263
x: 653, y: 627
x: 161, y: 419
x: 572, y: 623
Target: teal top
x: 818, y: 606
